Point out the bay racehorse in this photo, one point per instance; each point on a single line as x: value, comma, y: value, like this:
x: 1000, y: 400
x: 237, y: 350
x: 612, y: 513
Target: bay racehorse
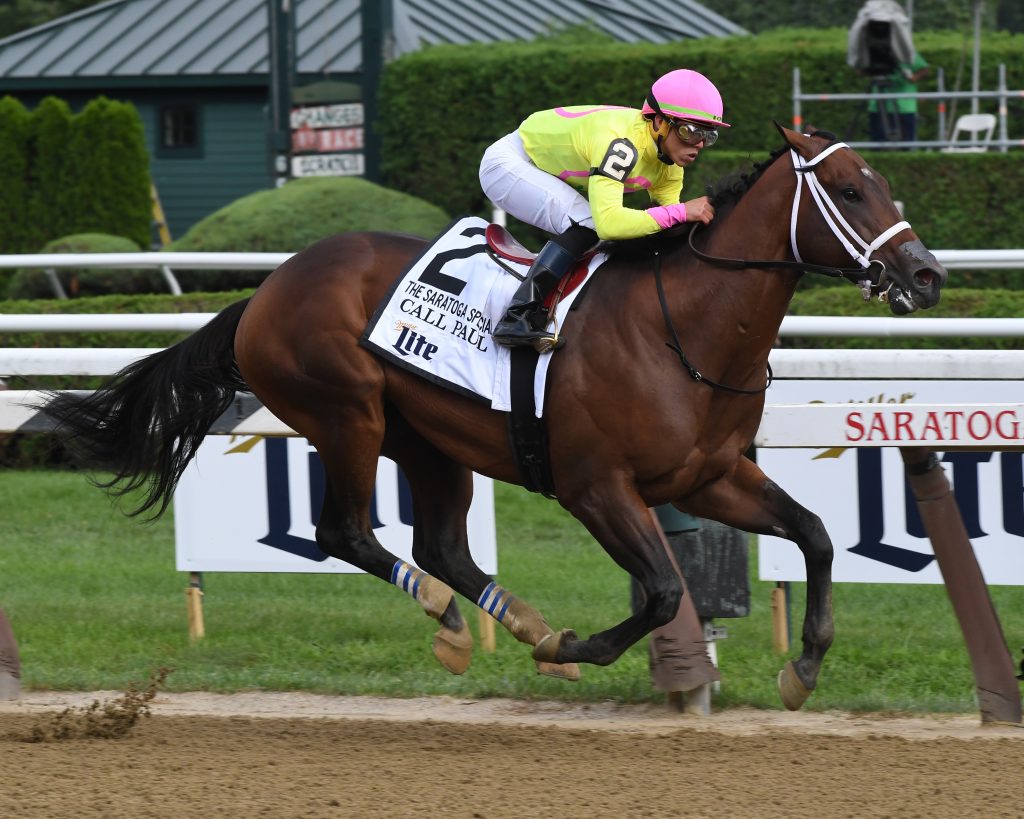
x: 630, y: 425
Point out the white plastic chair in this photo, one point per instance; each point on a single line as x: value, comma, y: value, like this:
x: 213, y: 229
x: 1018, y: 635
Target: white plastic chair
x: 977, y: 127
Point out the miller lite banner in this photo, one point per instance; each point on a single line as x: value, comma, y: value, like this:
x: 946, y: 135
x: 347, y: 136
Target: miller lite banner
x: 854, y: 480
x: 250, y: 504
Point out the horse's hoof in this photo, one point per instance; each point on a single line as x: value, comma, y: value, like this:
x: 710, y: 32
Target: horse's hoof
x: 453, y: 649
x: 549, y: 645
x: 792, y: 690
x: 564, y: 671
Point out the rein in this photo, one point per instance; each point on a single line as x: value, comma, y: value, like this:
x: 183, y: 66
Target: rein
x: 840, y: 228
x: 695, y: 374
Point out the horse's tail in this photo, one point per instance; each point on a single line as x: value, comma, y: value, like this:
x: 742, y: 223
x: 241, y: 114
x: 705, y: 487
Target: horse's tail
x: 147, y: 421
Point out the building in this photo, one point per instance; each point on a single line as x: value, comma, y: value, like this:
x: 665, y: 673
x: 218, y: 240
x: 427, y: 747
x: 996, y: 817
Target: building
x: 200, y: 71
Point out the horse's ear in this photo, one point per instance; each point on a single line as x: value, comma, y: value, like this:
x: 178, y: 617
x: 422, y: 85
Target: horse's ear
x: 801, y: 143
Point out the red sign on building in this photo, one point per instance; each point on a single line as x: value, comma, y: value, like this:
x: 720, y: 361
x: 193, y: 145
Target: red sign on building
x: 320, y: 130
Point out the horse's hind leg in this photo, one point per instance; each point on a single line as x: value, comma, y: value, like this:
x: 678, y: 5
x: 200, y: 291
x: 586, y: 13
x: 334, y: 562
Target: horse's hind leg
x: 345, y: 532
x: 442, y: 491
x: 749, y: 500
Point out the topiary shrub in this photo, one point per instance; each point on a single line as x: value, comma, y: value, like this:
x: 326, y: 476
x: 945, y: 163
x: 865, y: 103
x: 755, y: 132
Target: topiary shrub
x: 105, y: 184
x: 32, y: 283
x: 14, y: 123
x: 299, y: 213
x: 48, y: 130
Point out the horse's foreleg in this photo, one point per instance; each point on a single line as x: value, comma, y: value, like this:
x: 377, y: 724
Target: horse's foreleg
x: 618, y: 519
x: 748, y: 500
x: 442, y: 492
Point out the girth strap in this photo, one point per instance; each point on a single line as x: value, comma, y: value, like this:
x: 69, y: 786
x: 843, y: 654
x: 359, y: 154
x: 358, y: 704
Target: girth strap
x: 527, y: 433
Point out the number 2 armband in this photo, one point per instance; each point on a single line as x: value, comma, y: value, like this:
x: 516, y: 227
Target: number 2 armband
x: 618, y: 161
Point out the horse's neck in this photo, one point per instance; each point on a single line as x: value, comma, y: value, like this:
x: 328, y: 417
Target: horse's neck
x: 758, y: 227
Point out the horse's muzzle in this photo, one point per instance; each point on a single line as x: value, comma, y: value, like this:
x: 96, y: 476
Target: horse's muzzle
x: 927, y: 277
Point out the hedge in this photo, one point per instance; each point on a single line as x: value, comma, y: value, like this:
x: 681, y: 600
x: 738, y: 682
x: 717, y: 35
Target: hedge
x: 105, y: 173
x: 444, y: 105
x: 14, y: 125
x: 62, y: 174
x: 299, y: 213
x: 49, y: 131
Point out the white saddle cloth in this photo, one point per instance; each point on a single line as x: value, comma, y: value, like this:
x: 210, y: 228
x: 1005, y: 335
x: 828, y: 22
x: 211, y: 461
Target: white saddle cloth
x: 438, y: 318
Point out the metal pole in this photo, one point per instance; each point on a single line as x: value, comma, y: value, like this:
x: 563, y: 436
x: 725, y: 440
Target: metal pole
x: 282, y: 74
x: 1002, y: 107
x: 797, y: 118
x: 995, y: 682
x: 976, y: 67
x: 940, y: 85
x: 376, y: 44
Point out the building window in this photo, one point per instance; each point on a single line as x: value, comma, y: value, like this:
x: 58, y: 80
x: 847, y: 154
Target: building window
x: 179, y: 131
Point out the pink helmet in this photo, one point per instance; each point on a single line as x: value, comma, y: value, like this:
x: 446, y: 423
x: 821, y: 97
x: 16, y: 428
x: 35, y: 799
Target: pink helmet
x: 685, y: 94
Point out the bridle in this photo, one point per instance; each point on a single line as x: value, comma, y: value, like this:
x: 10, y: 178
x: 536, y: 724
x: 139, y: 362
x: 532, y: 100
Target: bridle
x: 841, y: 229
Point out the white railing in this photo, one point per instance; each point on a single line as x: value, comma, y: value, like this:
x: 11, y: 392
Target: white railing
x: 792, y: 326
x: 167, y: 263
x: 951, y: 259
x: 786, y: 363
x: 989, y: 365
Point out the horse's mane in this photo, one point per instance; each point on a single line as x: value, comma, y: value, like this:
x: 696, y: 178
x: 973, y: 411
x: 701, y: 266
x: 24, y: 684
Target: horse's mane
x: 723, y: 193
x: 729, y: 189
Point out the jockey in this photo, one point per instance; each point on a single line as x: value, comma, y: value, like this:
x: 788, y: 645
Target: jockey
x: 545, y: 172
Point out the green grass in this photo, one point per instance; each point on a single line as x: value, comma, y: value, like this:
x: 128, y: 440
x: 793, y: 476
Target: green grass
x: 96, y: 603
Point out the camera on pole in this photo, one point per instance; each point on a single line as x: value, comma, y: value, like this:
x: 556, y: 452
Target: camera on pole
x: 880, y: 42
x: 880, y: 39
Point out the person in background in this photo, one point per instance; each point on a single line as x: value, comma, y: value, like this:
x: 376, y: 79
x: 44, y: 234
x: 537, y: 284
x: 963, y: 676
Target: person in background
x: 566, y: 170
x: 897, y: 120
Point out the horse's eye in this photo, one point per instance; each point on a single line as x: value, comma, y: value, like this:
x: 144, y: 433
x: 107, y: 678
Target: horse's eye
x: 850, y: 195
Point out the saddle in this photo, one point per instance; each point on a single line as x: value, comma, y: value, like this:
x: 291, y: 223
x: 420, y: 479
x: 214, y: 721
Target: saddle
x: 506, y: 246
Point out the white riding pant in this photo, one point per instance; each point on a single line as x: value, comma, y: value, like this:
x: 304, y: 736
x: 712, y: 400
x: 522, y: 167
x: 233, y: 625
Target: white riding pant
x: 517, y: 186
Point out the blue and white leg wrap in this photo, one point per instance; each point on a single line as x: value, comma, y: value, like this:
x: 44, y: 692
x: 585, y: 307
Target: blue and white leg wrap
x: 429, y: 592
x: 407, y: 578
x: 495, y: 601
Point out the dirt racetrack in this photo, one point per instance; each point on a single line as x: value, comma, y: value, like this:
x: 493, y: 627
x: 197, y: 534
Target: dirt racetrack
x: 298, y: 755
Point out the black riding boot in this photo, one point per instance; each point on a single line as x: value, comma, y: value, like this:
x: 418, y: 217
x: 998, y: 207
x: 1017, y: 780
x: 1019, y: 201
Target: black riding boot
x: 524, y: 324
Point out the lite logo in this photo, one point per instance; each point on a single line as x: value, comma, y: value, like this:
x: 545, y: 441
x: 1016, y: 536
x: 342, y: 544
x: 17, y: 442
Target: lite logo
x: 412, y: 343
x: 280, y: 524
x: 965, y: 468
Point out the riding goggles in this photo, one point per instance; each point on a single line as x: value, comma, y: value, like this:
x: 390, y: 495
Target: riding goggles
x: 692, y: 134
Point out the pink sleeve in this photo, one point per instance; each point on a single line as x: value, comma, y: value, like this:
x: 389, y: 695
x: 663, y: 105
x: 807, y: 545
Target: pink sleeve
x: 668, y: 215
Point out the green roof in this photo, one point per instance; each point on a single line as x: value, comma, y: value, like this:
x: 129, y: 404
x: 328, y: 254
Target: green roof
x: 176, y: 41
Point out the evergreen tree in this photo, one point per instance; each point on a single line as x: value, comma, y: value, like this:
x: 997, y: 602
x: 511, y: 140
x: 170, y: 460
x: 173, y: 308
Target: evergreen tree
x: 48, y: 132
x: 106, y: 172
x: 14, y: 121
